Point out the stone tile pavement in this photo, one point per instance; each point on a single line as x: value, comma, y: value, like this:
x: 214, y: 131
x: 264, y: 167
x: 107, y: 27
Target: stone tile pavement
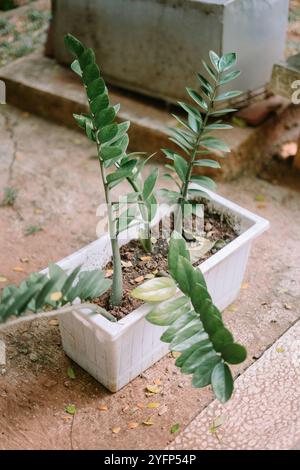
x: 264, y: 413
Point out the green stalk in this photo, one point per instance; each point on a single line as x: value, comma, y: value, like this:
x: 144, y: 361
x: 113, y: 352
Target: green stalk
x: 146, y: 242
x: 117, y: 281
x: 179, y: 212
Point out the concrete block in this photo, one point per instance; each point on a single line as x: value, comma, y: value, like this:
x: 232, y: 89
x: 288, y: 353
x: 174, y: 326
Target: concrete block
x: 155, y: 46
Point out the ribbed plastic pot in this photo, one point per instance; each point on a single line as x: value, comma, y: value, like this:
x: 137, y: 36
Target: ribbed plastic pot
x: 116, y: 353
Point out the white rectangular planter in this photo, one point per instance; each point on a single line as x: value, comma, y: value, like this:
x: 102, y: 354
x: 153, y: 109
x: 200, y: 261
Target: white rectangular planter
x: 116, y: 353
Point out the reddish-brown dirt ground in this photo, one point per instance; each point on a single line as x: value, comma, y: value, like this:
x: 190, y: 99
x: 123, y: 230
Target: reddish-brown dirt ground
x: 57, y: 180
x: 55, y: 174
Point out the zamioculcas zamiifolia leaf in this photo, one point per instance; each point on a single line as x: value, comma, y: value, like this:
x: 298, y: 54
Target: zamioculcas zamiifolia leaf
x: 51, y: 291
x: 195, y: 325
x: 193, y: 135
x: 102, y: 127
x: 156, y: 290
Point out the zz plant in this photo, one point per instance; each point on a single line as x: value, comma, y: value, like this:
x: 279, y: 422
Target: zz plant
x: 112, y: 141
x: 193, y: 138
x: 195, y: 326
x: 51, y: 291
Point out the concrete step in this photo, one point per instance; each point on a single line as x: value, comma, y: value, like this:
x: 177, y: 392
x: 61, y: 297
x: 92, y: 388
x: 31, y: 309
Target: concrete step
x: 39, y: 85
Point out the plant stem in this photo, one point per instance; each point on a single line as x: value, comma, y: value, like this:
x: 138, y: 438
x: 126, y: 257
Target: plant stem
x: 146, y: 242
x: 179, y: 212
x: 117, y: 281
x: 117, y: 285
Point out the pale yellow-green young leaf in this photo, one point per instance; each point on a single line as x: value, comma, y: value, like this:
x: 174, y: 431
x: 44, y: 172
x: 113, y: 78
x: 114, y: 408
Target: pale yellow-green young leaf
x: 155, y: 290
x: 167, y: 312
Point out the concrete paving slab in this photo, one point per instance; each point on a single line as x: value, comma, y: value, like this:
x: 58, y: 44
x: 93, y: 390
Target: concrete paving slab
x: 264, y: 413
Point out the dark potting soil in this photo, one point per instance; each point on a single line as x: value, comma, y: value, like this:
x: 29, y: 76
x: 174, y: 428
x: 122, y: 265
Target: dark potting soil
x: 138, y: 266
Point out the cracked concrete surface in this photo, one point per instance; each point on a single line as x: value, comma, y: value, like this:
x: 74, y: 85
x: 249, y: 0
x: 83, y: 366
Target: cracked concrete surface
x: 9, y: 125
x: 57, y: 177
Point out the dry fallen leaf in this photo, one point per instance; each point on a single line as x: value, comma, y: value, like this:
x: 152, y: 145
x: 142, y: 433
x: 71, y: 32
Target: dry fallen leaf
x: 132, y: 425
x: 175, y: 354
x: 53, y: 322
x: 154, y: 389
x: 116, y: 430
x: 126, y: 264
x: 280, y: 350
x: 18, y: 269
x: 67, y: 418
x: 245, y: 285
x: 140, y: 405
x: 149, y: 421
x: 282, y: 291
x: 157, y: 381
x: 55, y: 296
x: 38, y: 211
x: 218, y: 422
x: 153, y: 405
x: 145, y: 258
x: 139, y: 279
x: 287, y: 306
x: 3, y: 279
x: 24, y: 260
x: 232, y: 308
x: 109, y: 272
x: 289, y: 149
x: 102, y: 407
